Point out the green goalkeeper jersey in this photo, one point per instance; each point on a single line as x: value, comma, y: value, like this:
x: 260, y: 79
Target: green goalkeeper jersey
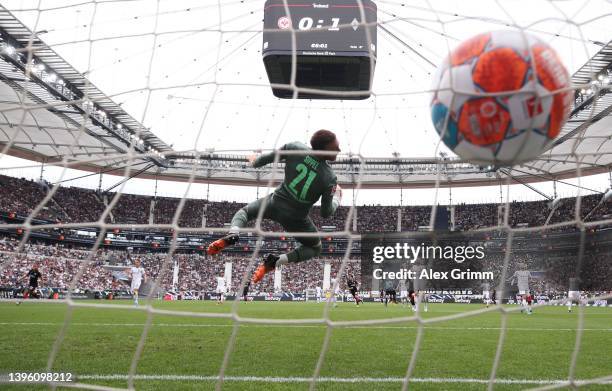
x: 307, y: 178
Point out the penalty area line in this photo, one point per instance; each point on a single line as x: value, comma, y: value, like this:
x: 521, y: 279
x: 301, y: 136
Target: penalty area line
x: 270, y: 379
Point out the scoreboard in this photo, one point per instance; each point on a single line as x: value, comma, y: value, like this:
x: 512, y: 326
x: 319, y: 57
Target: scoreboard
x: 335, y: 46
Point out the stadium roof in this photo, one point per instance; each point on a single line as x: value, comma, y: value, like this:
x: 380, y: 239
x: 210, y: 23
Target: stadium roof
x: 57, y: 115
x: 66, y: 115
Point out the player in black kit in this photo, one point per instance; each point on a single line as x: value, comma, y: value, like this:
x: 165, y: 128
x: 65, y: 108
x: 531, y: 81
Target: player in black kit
x: 245, y: 291
x: 351, y: 282
x: 390, y: 293
x: 33, y: 276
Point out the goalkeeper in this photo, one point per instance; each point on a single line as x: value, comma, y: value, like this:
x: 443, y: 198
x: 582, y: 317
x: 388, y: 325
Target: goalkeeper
x: 308, y: 177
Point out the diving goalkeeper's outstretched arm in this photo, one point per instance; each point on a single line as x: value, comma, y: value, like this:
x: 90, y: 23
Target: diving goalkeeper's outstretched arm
x: 268, y: 158
x: 262, y: 160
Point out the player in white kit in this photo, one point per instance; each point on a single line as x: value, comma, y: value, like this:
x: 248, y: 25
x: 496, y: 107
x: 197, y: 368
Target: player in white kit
x: 486, y: 294
x: 335, y: 291
x: 572, y: 297
x: 139, y: 276
x: 404, y: 296
x: 319, y: 293
x: 425, y: 301
x: 221, y: 290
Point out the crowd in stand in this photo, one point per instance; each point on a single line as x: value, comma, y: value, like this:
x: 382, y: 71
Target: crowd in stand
x: 196, y: 272
x: 531, y: 214
x: 22, y: 197
x: 199, y: 273
x: 70, y: 204
x: 60, y: 263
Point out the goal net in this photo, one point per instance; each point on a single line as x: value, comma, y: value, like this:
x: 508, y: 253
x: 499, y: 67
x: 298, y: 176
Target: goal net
x: 191, y: 73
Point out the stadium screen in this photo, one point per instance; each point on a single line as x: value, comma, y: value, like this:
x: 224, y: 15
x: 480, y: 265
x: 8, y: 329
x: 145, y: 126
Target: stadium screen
x: 335, y: 51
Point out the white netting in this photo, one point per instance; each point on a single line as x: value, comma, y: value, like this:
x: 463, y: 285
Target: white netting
x: 234, y: 28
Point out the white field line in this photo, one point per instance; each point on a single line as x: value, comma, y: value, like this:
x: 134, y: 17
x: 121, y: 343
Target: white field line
x: 206, y: 325
x: 270, y: 379
x: 127, y: 305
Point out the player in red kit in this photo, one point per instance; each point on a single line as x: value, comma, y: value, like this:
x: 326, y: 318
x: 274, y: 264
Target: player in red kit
x: 412, y: 296
x: 529, y: 299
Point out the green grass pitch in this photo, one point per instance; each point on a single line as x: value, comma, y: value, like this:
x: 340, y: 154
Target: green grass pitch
x: 186, y: 352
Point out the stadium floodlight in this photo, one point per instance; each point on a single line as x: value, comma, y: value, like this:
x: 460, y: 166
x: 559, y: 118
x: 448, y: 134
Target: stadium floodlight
x: 8, y: 49
x: 52, y: 77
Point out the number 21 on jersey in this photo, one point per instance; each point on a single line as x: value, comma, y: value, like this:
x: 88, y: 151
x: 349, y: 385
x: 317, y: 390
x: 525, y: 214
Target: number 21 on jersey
x: 304, y: 173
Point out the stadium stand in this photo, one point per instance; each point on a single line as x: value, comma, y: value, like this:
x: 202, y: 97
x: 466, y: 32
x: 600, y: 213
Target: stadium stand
x: 197, y: 272
x: 21, y: 196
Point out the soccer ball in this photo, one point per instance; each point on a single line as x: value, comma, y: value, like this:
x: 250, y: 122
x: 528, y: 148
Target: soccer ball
x: 500, y: 98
